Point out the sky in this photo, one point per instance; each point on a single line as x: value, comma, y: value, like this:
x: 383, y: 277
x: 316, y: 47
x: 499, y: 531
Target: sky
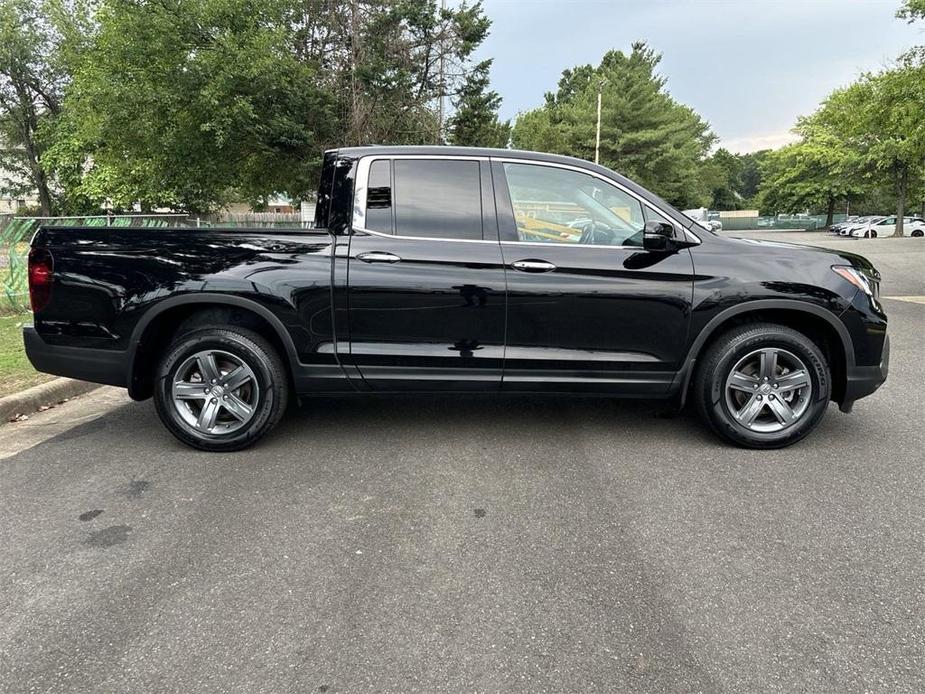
x: 748, y: 67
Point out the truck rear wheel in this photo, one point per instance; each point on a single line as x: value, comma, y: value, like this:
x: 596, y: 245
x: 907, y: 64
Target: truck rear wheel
x: 762, y: 385
x: 220, y: 388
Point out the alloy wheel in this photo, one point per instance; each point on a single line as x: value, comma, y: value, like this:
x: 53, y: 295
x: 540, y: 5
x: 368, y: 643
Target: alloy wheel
x: 215, y: 392
x: 768, y: 390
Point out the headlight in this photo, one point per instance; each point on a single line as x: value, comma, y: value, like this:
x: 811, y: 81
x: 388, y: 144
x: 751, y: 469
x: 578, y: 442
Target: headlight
x: 857, y: 278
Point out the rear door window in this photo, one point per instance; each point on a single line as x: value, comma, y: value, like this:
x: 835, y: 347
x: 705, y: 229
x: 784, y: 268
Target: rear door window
x: 437, y: 198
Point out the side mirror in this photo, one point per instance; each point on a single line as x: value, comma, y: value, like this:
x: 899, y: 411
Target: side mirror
x: 658, y: 236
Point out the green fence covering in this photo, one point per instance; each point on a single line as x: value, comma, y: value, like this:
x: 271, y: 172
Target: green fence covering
x: 781, y: 221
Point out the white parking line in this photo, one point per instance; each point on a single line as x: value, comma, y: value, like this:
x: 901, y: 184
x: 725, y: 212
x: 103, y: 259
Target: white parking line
x: 911, y: 299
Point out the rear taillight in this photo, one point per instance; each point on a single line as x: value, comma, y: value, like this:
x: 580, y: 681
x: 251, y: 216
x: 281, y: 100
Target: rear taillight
x: 41, y: 277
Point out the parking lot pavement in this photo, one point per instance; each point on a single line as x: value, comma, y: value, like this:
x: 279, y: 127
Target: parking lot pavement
x: 446, y: 544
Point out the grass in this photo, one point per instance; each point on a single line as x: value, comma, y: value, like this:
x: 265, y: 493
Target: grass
x: 16, y: 373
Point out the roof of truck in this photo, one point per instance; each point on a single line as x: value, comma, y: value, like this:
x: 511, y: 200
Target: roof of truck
x: 445, y: 150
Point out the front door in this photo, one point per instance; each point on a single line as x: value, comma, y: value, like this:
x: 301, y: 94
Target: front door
x: 885, y: 227
x: 588, y: 308
x: 425, y: 278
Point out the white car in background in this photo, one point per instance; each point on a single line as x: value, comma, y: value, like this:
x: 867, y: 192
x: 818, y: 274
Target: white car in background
x: 849, y: 222
x: 886, y: 226
x: 702, y: 216
x: 845, y: 228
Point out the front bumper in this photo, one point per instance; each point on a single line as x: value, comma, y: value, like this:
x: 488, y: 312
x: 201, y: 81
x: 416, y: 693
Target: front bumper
x: 861, y: 381
x: 106, y: 366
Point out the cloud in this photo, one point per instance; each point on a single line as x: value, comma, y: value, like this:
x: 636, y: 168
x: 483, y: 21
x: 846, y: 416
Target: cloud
x: 753, y: 143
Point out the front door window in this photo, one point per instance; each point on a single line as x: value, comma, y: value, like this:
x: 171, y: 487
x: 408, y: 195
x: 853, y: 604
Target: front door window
x: 555, y: 205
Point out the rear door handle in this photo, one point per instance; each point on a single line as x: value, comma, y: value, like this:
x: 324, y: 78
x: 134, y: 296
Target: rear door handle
x: 533, y: 266
x: 378, y: 257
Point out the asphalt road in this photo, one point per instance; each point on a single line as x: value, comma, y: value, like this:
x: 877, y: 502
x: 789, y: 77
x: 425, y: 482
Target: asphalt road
x: 449, y: 544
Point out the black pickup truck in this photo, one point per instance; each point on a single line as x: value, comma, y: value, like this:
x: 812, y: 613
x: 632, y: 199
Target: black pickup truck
x: 452, y: 269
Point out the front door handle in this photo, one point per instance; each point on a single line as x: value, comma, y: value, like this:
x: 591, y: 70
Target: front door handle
x: 378, y: 257
x: 533, y: 266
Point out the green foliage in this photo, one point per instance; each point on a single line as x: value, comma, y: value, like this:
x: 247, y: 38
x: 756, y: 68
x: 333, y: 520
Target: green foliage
x: 184, y: 102
x: 877, y: 126
x: 189, y: 104
x: 808, y: 175
x: 912, y: 10
x: 865, y: 143
x: 406, y: 57
x: 645, y: 134
x: 475, y: 123
x: 732, y: 179
x: 726, y: 196
x: 32, y: 78
x: 16, y: 373
x: 813, y: 173
x: 750, y: 174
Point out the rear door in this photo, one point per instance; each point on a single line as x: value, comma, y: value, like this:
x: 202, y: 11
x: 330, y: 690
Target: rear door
x: 426, y: 284
x: 588, y: 308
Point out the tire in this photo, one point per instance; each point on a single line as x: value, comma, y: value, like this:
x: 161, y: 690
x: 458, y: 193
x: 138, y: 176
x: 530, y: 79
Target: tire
x: 256, y: 395
x: 746, y: 407
x: 918, y: 233
x: 872, y: 234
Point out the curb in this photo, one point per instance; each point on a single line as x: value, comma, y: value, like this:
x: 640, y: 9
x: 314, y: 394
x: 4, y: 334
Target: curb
x: 51, y: 393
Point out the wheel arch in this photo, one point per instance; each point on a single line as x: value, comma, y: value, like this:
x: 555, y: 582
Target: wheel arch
x: 160, y: 323
x: 817, y: 323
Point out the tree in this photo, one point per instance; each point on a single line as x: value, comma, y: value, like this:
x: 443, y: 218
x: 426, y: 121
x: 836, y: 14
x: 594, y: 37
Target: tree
x: 881, y: 120
x: 732, y: 180
x: 192, y: 103
x: 476, y: 123
x: 32, y: 80
x: 645, y: 134
x: 750, y: 176
x: 810, y: 174
x: 912, y: 10
x: 721, y: 174
x: 814, y: 173
x: 177, y: 103
x: 407, y: 57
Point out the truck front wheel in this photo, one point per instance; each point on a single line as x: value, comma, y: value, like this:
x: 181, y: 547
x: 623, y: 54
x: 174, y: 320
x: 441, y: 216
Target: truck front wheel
x: 762, y: 385
x: 220, y: 388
